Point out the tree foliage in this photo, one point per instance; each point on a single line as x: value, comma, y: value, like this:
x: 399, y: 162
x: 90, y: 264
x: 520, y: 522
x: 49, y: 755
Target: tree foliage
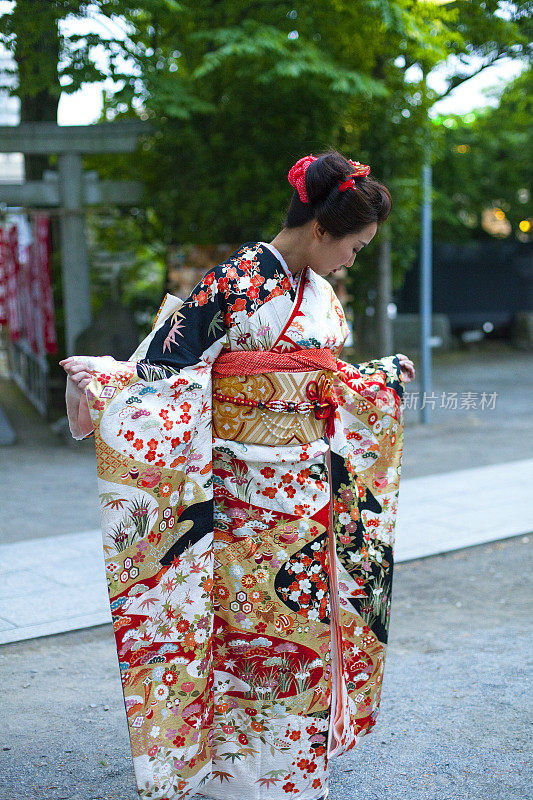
x: 483, y: 164
x: 236, y: 91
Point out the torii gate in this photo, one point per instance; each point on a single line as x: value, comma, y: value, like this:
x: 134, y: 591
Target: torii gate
x: 70, y: 190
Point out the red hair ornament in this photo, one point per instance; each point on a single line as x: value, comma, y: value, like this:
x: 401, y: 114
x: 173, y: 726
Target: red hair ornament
x: 296, y: 175
x: 360, y: 170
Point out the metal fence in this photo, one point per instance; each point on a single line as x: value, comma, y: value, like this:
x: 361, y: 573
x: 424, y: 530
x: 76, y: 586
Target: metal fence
x: 30, y: 373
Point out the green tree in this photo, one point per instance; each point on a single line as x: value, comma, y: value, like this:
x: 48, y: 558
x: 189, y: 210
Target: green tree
x: 49, y: 62
x: 238, y: 91
x: 483, y: 163
x: 422, y: 37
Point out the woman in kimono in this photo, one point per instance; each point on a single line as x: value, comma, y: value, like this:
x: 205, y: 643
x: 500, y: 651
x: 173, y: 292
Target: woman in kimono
x: 248, y: 483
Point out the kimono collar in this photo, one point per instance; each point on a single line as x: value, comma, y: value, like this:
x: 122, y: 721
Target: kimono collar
x: 293, y: 278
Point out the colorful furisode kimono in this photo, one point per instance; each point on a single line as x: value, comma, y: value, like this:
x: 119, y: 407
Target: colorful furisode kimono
x: 248, y: 482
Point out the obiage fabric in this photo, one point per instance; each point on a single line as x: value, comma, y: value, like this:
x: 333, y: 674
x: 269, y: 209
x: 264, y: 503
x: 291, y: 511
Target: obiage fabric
x: 249, y: 556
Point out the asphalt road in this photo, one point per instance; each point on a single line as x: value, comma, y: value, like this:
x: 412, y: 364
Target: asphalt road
x: 453, y: 720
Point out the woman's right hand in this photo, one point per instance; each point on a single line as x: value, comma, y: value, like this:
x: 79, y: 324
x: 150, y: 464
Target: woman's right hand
x: 81, y: 368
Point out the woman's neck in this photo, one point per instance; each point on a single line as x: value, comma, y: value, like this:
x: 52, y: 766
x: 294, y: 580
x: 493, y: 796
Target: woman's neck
x: 291, y: 247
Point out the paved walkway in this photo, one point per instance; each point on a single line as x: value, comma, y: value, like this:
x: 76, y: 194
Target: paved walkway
x: 57, y: 583
x: 442, y: 733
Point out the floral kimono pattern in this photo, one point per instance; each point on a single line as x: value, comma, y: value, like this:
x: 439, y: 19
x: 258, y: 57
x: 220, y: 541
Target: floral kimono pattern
x: 249, y: 581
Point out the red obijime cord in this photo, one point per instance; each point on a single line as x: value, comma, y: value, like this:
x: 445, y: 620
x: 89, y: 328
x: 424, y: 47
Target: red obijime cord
x: 322, y: 400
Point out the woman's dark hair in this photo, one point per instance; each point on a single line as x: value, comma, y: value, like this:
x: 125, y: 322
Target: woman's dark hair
x: 339, y: 213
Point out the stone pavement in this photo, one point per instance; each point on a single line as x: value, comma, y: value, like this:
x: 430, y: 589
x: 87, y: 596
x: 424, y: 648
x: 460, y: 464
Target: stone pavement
x: 57, y: 583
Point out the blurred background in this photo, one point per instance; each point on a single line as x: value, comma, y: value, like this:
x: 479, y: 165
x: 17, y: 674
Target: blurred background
x: 195, y: 114
x: 142, y: 143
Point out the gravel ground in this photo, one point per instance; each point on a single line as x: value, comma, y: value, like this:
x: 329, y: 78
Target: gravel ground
x: 452, y: 723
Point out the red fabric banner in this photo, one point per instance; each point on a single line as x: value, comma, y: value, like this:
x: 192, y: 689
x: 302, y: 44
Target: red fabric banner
x: 3, y: 281
x: 41, y: 263
x: 26, y: 301
x: 11, y: 272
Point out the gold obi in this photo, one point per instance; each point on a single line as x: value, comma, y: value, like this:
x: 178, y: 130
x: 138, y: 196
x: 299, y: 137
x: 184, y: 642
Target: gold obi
x: 263, y: 425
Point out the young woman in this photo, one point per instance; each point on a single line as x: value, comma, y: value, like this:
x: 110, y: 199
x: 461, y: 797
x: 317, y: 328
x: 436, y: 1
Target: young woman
x: 248, y: 482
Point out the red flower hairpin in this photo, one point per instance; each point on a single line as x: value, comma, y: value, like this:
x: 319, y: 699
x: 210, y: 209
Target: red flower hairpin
x: 360, y: 169
x: 296, y: 176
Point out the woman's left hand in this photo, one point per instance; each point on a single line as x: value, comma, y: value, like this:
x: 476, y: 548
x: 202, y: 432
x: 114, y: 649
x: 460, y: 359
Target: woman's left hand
x: 408, y: 368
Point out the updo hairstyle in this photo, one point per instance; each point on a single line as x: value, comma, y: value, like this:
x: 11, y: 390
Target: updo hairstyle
x: 339, y: 213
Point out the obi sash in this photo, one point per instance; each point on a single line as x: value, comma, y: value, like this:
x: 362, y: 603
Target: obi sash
x: 262, y: 397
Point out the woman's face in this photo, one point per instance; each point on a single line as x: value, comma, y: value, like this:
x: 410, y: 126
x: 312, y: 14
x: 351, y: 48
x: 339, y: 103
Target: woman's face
x: 329, y: 255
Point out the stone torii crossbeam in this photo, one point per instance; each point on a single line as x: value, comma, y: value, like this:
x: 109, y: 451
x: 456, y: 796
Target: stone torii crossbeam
x: 69, y: 191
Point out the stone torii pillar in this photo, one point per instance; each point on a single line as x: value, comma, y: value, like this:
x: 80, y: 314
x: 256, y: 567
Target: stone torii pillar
x: 70, y: 190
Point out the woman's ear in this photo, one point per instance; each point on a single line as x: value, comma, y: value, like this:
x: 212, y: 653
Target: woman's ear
x: 318, y: 231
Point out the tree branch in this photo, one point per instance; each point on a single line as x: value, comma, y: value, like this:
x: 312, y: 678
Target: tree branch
x: 456, y: 80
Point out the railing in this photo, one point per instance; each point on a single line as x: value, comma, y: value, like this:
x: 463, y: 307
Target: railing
x: 30, y: 373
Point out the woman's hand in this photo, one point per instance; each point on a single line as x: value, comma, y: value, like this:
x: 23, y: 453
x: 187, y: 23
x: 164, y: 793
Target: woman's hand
x: 77, y: 370
x: 80, y: 369
x: 408, y: 368
x: 79, y: 375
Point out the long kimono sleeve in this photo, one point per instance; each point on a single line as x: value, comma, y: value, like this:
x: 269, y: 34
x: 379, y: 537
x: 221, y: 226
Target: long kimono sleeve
x: 191, y: 334
x: 366, y: 464
x: 152, y: 421
x: 182, y: 336
x: 80, y: 426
